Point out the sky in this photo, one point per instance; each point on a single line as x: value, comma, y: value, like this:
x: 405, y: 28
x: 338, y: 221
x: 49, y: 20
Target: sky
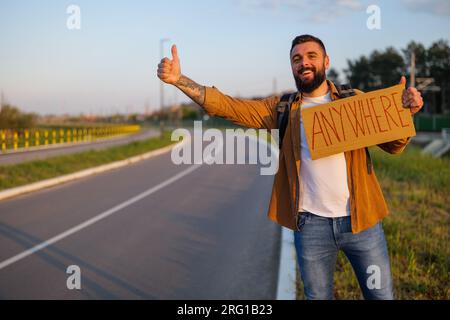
x: 240, y: 46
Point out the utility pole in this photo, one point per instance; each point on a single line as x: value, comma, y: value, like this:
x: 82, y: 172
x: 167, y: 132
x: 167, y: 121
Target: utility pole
x: 413, y: 69
x: 422, y: 84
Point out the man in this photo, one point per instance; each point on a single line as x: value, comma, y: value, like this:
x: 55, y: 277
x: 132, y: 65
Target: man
x: 333, y: 203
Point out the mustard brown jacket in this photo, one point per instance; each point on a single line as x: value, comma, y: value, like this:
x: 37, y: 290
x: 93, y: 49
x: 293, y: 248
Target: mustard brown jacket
x: 367, y: 204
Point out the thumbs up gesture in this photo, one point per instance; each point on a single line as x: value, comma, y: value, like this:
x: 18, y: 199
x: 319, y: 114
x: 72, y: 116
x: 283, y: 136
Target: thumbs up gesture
x: 411, y: 98
x: 169, y: 70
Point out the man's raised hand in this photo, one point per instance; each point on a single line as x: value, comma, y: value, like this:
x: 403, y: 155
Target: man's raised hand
x: 169, y: 70
x: 411, y: 98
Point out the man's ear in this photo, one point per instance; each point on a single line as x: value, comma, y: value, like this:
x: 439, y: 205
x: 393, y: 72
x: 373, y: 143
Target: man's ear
x: 327, y: 62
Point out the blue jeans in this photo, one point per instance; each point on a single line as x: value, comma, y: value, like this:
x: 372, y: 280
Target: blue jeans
x: 318, y: 241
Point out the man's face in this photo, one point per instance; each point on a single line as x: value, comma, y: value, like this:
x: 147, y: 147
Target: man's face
x: 308, y: 63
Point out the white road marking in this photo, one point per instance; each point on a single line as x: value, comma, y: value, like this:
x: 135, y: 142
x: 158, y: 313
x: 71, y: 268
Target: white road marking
x: 97, y: 218
x: 102, y: 215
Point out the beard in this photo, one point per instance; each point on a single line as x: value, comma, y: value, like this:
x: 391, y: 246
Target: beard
x: 309, y: 86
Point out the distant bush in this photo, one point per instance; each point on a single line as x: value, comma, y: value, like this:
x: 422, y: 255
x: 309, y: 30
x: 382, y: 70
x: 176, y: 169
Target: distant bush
x: 12, y: 118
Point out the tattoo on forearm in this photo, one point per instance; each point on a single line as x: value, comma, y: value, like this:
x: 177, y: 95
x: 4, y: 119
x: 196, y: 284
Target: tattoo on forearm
x: 192, y: 89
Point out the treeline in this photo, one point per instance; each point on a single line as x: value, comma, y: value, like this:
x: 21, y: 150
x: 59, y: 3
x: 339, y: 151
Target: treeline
x: 383, y: 68
x: 12, y: 118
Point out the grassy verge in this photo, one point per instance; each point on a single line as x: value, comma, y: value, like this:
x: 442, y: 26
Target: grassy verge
x: 28, y: 172
x: 417, y: 190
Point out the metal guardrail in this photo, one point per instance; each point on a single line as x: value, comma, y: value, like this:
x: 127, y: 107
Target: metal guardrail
x: 26, y: 138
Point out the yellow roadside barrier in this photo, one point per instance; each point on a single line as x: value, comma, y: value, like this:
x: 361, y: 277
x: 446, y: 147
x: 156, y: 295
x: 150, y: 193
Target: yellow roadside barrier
x: 45, y: 137
x: 28, y: 137
x: 3, y: 136
x: 36, y: 138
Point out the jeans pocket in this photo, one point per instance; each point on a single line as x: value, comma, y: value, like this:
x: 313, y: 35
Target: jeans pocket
x: 301, y: 220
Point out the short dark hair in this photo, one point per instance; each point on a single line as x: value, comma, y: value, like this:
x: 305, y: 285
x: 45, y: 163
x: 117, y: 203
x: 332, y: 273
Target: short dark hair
x: 308, y: 38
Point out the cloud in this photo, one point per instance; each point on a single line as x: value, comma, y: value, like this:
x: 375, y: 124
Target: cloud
x: 329, y: 10
x: 435, y: 7
x: 315, y: 11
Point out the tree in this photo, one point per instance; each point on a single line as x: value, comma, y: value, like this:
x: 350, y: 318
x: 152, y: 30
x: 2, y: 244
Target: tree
x: 439, y: 67
x: 381, y: 69
x: 421, y: 58
x: 12, y: 118
x: 333, y: 75
x: 386, y: 68
x: 358, y: 73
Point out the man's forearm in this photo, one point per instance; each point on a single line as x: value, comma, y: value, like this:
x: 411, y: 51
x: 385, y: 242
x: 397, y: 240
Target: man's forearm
x: 192, y: 89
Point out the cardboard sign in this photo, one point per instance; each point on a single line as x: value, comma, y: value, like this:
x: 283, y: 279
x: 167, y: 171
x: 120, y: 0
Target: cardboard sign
x: 356, y: 122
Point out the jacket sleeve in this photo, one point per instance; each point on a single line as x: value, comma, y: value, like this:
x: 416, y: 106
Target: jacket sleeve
x: 259, y: 114
x: 396, y: 146
x: 393, y: 147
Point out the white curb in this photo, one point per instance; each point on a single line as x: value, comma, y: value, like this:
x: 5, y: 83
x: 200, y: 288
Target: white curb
x: 287, y: 277
x: 13, y: 192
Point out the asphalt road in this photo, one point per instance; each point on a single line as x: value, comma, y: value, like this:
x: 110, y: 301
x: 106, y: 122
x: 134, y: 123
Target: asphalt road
x: 203, y: 236
x: 43, y: 153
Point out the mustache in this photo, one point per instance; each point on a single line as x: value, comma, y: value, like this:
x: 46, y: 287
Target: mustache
x: 301, y: 70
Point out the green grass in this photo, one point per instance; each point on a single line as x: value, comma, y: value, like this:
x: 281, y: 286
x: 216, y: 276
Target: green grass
x: 417, y: 190
x: 28, y: 172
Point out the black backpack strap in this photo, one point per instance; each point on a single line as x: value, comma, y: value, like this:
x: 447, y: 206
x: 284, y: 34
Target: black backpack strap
x: 283, y: 107
x: 345, y: 91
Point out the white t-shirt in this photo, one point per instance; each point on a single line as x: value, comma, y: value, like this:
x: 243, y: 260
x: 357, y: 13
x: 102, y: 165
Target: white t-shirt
x: 323, y: 182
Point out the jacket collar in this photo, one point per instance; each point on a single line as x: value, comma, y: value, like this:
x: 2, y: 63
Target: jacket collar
x: 334, y: 91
